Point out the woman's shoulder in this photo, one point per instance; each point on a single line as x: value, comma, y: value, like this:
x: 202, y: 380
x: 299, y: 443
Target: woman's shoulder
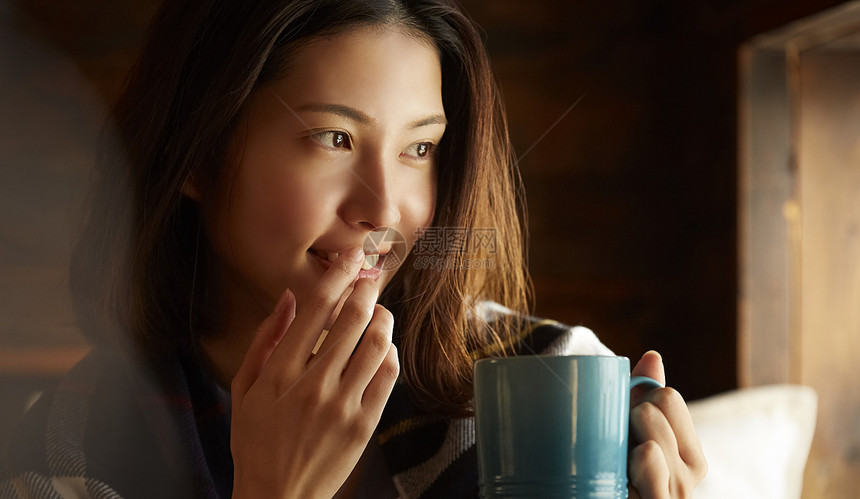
x: 539, y: 336
x: 106, y: 416
x: 45, y: 451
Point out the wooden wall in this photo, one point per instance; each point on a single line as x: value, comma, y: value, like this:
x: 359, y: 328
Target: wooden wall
x: 800, y: 208
x: 829, y: 301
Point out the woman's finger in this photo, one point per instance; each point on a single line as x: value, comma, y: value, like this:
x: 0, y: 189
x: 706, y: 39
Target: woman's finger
x: 348, y: 326
x: 649, y: 471
x: 379, y: 389
x: 268, y: 336
x: 649, y: 422
x: 313, y: 315
x: 650, y: 365
x: 370, y: 353
x: 674, y: 409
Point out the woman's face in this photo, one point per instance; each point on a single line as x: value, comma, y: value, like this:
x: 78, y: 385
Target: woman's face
x: 340, y: 147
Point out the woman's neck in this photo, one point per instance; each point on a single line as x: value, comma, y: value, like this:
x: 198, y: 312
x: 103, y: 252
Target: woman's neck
x: 225, y: 347
x: 223, y: 354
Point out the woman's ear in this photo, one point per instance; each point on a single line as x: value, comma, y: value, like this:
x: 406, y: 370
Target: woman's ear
x: 191, y: 188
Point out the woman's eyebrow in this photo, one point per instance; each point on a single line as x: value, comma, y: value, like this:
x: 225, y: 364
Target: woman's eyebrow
x: 434, y: 119
x: 347, y: 112
x: 354, y: 114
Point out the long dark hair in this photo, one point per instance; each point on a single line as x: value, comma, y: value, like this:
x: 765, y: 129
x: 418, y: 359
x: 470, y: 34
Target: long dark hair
x: 140, y: 272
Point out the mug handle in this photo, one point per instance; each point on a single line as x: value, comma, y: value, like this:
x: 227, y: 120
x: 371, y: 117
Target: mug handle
x: 645, y: 380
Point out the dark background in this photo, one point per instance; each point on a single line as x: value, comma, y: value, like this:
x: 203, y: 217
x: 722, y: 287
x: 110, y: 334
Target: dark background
x: 632, y: 192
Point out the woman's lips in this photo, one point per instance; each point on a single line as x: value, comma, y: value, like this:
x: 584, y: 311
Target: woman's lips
x: 371, y: 267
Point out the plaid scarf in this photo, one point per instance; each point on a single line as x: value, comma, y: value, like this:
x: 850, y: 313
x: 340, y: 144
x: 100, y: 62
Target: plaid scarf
x: 111, y: 430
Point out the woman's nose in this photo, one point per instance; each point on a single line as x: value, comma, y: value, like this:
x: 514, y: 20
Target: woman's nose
x: 372, y: 200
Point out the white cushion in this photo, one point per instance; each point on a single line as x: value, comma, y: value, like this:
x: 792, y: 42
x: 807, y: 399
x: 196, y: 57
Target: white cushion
x: 756, y: 441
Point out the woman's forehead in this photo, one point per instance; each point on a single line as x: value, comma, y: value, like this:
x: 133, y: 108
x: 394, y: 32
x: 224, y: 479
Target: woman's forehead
x: 381, y: 72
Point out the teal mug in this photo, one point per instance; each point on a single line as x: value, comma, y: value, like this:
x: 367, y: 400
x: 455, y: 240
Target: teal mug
x: 553, y: 427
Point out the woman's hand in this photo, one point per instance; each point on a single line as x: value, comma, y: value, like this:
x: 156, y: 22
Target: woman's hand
x: 667, y: 460
x: 301, y: 421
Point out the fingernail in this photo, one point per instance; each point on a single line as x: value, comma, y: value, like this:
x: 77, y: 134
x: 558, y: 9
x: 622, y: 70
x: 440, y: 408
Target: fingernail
x: 655, y: 352
x: 282, y: 303
x: 355, y: 254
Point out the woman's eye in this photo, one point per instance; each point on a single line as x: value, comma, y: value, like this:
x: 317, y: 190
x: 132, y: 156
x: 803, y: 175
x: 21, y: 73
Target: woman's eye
x: 420, y: 150
x: 333, y: 139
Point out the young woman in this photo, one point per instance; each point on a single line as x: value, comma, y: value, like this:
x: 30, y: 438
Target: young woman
x: 263, y: 327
